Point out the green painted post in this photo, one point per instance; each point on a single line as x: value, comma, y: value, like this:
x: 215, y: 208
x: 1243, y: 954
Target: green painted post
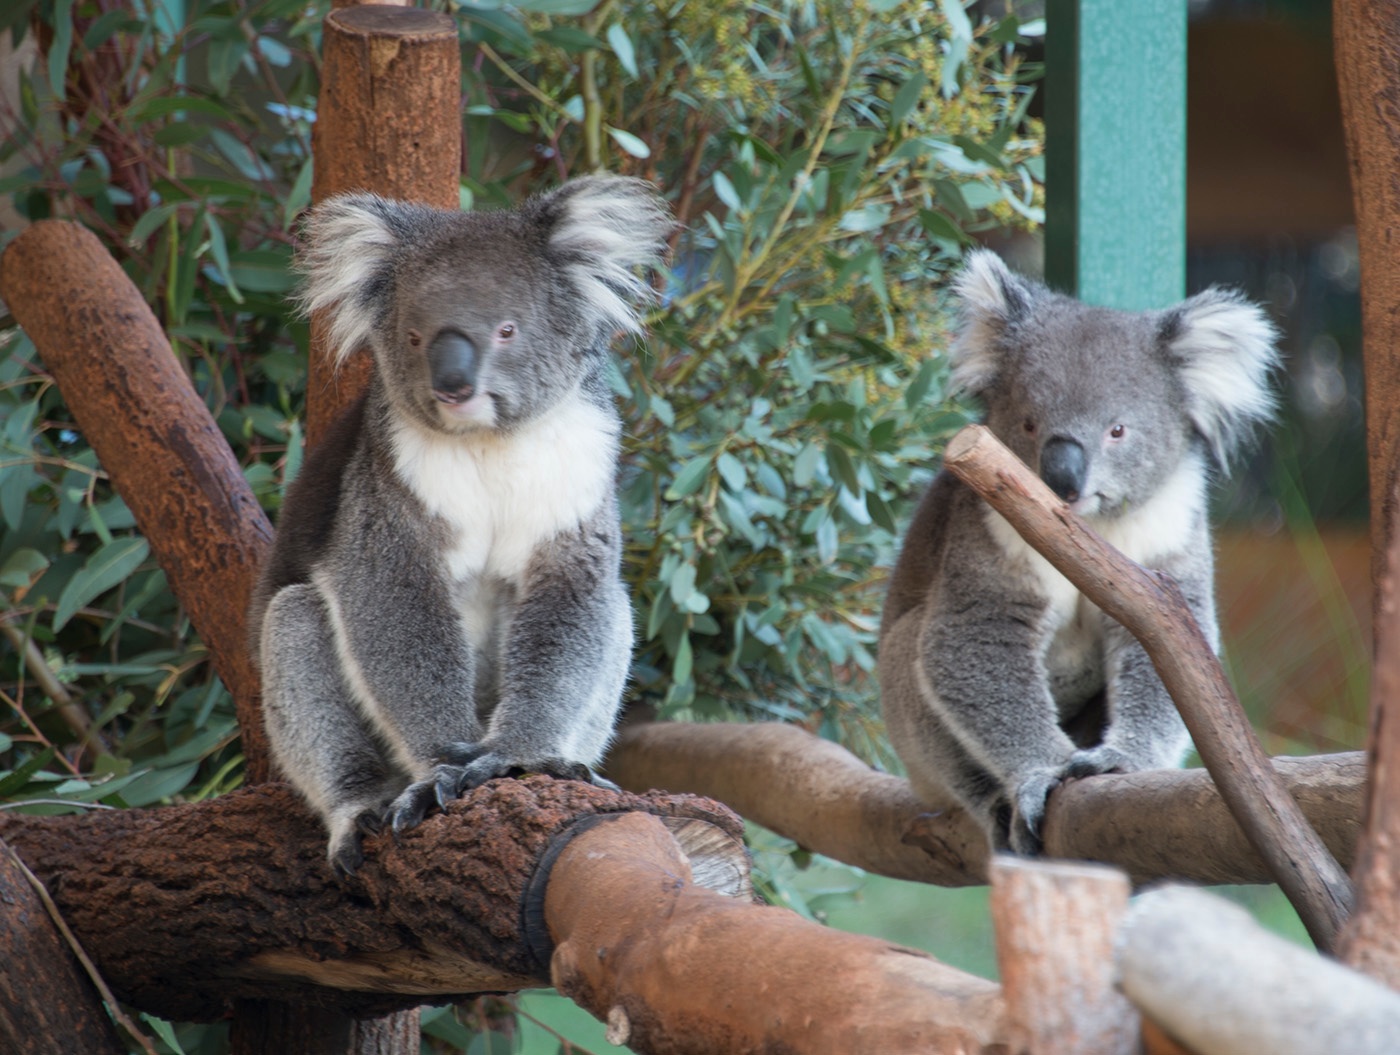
x: 1115, y: 127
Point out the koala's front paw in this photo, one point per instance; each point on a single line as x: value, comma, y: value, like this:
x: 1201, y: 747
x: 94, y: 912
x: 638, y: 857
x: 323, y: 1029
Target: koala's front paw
x: 443, y: 784
x: 1028, y: 810
x: 1091, y: 761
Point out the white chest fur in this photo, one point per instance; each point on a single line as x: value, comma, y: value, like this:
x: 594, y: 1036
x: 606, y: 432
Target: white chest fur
x: 1164, y: 525
x: 503, y: 495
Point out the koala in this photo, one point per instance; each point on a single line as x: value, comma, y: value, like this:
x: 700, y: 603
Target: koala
x: 998, y: 679
x: 443, y: 602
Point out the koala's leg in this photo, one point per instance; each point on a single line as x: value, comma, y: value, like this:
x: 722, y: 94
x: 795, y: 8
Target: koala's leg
x: 939, y: 768
x: 413, y: 674
x: 984, y: 675
x: 564, y: 663
x: 1144, y: 729
x: 319, y: 739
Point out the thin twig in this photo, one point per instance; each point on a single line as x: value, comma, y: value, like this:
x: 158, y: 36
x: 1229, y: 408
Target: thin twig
x: 113, y: 1007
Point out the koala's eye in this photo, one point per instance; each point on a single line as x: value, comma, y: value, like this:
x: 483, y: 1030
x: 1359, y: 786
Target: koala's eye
x: 1118, y: 431
x: 415, y: 339
x: 505, y: 331
x: 1029, y: 426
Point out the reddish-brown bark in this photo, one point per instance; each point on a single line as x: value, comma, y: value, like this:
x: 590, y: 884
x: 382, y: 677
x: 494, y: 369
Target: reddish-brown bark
x: 189, y: 908
x: 153, y: 435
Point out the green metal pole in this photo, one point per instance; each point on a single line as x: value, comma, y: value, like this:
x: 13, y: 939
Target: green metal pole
x: 1115, y: 100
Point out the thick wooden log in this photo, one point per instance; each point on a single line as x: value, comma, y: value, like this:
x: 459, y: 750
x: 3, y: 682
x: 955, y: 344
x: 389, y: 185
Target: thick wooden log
x: 1366, y: 40
x: 676, y: 969
x: 1366, y: 36
x: 389, y: 121
x: 1151, y: 607
x: 153, y: 435
x: 1167, y: 824
x: 1055, y: 927
x: 1217, y: 981
x: 189, y: 908
x: 48, y: 1006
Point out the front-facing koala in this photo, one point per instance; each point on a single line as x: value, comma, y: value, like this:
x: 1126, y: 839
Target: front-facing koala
x: 443, y: 602
x: 998, y: 680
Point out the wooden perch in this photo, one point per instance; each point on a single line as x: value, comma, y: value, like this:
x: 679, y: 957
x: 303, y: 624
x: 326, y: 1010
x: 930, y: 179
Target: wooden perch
x: 1151, y: 607
x: 638, y: 907
x: 1158, y: 825
x: 1055, y: 926
x: 684, y: 971
x: 153, y: 435
x: 1216, y: 980
x: 186, y: 908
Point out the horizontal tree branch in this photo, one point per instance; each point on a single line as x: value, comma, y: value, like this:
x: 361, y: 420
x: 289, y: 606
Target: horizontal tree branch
x: 675, y: 969
x: 1152, y: 608
x: 1157, y: 825
x: 1217, y: 981
x: 188, y: 908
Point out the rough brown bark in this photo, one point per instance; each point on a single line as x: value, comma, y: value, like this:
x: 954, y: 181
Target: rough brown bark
x: 187, y: 908
x: 1055, y: 927
x: 1366, y: 39
x: 1366, y: 36
x: 388, y: 121
x: 47, y: 1004
x: 1151, y: 607
x: 1158, y: 825
x: 676, y: 969
x: 153, y: 435
x: 1213, y: 978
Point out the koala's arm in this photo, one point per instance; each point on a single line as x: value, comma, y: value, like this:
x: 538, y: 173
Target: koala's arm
x: 565, y: 659
x: 982, y: 658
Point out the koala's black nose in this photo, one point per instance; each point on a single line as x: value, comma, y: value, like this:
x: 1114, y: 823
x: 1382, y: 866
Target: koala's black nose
x: 452, y: 361
x: 1062, y: 467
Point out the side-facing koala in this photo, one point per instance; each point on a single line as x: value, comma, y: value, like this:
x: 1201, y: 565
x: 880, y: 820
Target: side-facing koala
x: 443, y: 604
x: 998, y: 680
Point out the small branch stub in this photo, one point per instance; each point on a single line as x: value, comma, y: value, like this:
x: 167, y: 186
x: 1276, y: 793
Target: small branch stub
x: 1055, y: 925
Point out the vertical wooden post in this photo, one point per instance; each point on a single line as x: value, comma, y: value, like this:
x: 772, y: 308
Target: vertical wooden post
x: 1055, y: 926
x: 1366, y: 35
x: 388, y: 121
x: 1115, y: 132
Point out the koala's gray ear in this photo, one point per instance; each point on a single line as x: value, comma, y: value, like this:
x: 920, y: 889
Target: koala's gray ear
x: 1223, y: 349
x: 992, y: 298
x: 349, y: 241
x: 604, y: 229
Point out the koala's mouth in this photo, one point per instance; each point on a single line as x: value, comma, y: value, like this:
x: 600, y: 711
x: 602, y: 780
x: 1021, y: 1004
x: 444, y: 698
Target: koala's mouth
x: 455, y: 397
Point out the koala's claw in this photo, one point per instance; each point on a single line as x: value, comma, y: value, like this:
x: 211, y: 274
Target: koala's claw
x: 416, y: 801
x: 1028, y: 813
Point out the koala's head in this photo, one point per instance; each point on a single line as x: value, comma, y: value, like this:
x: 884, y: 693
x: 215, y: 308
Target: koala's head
x: 1106, y: 405
x: 484, y: 319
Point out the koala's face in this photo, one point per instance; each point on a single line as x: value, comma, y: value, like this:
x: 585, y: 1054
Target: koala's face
x: 1086, y: 399
x: 478, y: 331
x: 484, y: 320
x: 1107, y: 405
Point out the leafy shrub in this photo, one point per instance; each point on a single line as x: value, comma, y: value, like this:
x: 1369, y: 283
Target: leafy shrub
x: 828, y: 162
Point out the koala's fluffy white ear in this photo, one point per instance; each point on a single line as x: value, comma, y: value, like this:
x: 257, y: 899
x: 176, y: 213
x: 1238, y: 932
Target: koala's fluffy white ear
x: 605, y: 228
x: 992, y: 297
x: 349, y: 240
x: 1224, y: 350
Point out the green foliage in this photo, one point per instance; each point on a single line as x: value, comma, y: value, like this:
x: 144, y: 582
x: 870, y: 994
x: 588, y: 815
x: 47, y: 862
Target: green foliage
x: 829, y: 163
